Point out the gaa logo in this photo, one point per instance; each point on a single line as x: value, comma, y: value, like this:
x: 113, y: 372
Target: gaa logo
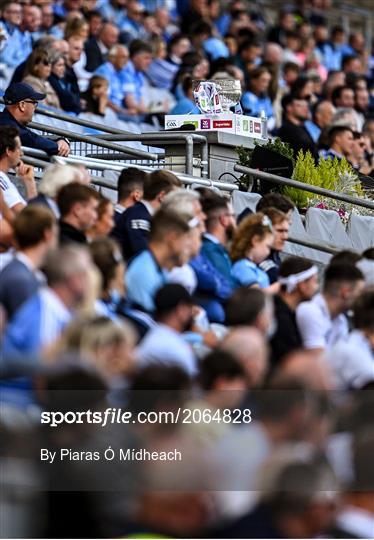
x: 171, y: 123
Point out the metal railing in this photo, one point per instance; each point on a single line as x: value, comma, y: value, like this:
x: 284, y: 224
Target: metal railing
x: 166, y: 137
x: 139, y: 154
x: 35, y: 157
x: 305, y: 187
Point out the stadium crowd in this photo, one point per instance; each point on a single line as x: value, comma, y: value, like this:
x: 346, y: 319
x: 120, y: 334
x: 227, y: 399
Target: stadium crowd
x: 129, y: 61
x: 168, y: 299
x: 164, y: 301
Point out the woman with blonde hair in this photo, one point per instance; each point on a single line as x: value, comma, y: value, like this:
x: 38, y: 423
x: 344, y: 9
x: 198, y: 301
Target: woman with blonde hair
x: 54, y: 178
x: 107, y: 344
x: 37, y: 71
x: 251, y: 245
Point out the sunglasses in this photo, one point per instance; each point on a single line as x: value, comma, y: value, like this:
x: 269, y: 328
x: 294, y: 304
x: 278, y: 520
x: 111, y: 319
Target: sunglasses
x: 35, y: 103
x: 44, y: 62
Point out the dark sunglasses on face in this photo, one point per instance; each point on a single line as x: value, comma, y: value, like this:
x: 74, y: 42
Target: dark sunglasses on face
x: 44, y: 62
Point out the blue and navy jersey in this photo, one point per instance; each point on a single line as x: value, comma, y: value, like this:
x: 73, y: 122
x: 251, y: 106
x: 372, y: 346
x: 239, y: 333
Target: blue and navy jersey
x: 132, y: 230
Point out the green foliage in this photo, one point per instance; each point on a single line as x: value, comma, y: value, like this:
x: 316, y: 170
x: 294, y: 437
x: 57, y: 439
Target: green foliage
x: 245, y: 156
x: 331, y: 174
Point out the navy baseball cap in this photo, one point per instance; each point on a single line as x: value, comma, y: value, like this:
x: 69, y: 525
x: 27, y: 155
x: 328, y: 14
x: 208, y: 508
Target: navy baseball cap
x: 17, y: 92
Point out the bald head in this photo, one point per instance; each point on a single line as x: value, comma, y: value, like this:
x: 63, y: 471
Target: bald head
x: 248, y: 346
x: 323, y: 113
x: 273, y: 53
x: 109, y: 34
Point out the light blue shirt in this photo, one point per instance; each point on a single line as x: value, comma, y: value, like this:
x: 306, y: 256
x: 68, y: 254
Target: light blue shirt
x: 116, y: 82
x: 143, y: 279
x: 17, y: 48
x: 246, y: 273
x: 185, y: 106
x: 163, y: 345
x: 253, y: 105
x: 38, y: 323
x: 216, y: 48
x: 112, y: 14
x: 133, y: 81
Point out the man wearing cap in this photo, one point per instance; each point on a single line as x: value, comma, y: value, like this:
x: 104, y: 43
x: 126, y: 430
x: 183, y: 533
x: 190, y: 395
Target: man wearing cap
x: 298, y: 279
x: 21, y: 101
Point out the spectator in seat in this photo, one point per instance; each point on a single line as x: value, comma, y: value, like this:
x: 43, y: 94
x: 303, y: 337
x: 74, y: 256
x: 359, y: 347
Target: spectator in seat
x: 54, y: 178
x: 96, y: 98
x: 256, y: 98
x: 21, y: 101
x: 280, y: 227
x: 293, y: 130
x: 298, y: 280
x: 35, y: 233
x: 134, y: 78
x: 70, y: 79
x: 323, y: 113
x: 97, y: 47
x: 132, y: 27
x: 40, y: 320
x: 251, y: 307
x: 352, y: 359
x: 248, y: 346
x: 78, y: 208
x: 19, y: 43
x: 186, y: 104
x: 322, y: 320
x: 341, y: 142
x: 113, y: 70
x: 37, y: 71
x: 164, y: 343
x: 132, y: 229
x: 130, y: 190
x: 251, y: 245
x: 67, y: 99
x: 105, y: 219
x: 10, y: 158
x: 220, y: 226
x: 343, y: 96
x: 168, y: 245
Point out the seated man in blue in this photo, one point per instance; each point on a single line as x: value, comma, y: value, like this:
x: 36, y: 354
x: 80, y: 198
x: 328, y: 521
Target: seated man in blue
x: 186, y: 104
x: 40, y: 320
x: 251, y: 245
x: 113, y: 71
x: 21, y: 101
x: 256, y: 98
x: 134, y: 79
x: 220, y: 227
x: 132, y: 227
x: 168, y: 242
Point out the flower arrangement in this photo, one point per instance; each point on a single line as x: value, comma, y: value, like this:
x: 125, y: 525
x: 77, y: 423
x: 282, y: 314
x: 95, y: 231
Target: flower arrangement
x: 332, y: 174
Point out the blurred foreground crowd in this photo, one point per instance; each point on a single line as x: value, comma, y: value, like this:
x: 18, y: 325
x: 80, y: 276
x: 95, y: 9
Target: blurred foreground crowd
x: 168, y: 295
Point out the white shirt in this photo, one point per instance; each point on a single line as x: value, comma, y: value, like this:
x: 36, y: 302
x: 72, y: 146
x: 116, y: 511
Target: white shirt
x: 317, y: 329
x: 54, y: 316
x: 352, y: 361
x: 356, y: 521
x: 11, y: 194
x: 163, y: 345
x: 184, y: 275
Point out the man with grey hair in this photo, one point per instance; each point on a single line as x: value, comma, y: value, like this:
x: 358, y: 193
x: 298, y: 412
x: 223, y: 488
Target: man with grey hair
x: 40, y: 320
x: 113, y: 71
